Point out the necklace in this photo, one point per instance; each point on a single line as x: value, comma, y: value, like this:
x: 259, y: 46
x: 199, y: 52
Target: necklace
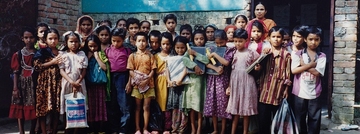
x: 25, y: 52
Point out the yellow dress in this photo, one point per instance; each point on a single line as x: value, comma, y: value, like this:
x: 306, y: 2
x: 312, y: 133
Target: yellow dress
x: 160, y: 81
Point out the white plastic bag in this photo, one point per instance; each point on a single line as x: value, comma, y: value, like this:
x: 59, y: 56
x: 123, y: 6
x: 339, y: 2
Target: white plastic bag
x: 284, y: 120
x: 75, y: 110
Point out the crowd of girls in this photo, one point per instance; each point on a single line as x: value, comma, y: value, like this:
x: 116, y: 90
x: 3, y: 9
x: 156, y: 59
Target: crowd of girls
x: 136, y: 62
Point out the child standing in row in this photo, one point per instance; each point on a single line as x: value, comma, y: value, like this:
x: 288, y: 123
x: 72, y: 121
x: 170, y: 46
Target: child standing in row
x: 84, y: 27
x: 41, y: 42
x: 297, y: 39
x: 72, y: 69
x: 216, y: 99
x: 120, y: 87
x: 256, y: 30
x: 23, y: 96
x: 242, y: 88
x: 97, y: 114
x: 240, y: 21
x: 308, y: 66
x: 274, y: 80
x: 103, y: 32
x: 185, y: 31
x: 145, y: 26
x: 194, y: 93
x: 229, y: 30
x: 161, y: 78
x: 133, y: 26
x: 46, y: 62
x: 170, y: 21
x: 154, y: 42
x: 141, y: 65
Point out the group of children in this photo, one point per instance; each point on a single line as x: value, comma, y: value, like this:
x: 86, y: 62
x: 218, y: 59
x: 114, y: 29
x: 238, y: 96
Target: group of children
x: 135, y: 62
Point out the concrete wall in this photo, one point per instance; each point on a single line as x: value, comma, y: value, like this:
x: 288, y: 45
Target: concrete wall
x: 345, y: 36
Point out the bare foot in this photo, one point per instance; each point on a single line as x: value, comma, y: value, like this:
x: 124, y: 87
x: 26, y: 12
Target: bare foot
x: 166, y: 132
x: 138, y: 132
x: 215, y: 132
x: 154, y: 132
x: 146, y: 132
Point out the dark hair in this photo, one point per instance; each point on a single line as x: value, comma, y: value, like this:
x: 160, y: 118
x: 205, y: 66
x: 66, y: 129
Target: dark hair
x: 241, y: 16
x: 313, y: 30
x: 119, y: 32
x: 105, y: 21
x: 100, y: 28
x: 144, y: 21
x: 186, y: 27
x: 262, y: 3
x: 212, y: 26
x: 241, y: 33
x: 170, y: 16
x: 132, y: 21
x: 181, y: 39
x: 66, y: 38
x: 301, y: 29
x: 31, y: 30
x: 51, y: 30
x: 42, y: 25
x: 141, y: 34
x: 155, y: 33
x: 28, y: 29
x: 93, y: 38
x: 168, y: 36
x: 220, y: 34
x: 86, y: 18
x: 199, y: 32
x: 259, y: 25
x: 117, y: 22
x: 277, y: 29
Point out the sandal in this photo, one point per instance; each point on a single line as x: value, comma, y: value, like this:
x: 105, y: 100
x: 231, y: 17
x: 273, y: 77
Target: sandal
x: 350, y: 127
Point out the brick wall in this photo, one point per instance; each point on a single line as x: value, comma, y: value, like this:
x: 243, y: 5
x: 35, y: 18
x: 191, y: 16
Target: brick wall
x: 59, y: 14
x: 345, y: 36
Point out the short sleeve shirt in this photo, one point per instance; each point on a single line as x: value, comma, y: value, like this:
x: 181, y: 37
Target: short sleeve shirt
x: 307, y: 85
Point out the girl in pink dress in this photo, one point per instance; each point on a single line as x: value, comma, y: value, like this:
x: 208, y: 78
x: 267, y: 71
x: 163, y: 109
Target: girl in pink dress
x: 242, y: 88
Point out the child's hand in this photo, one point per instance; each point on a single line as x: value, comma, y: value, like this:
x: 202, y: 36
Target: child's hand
x: 227, y: 91
x: 285, y: 95
x: 302, y: 62
x: 192, y: 52
x: 128, y: 88
x: 96, y: 55
x: 219, y: 69
x: 267, y: 50
x: 144, y: 83
x: 178, y: 82
x: 257, y: 67
x: 56, y: 60
x: 198, y: 71
x: 76, y: 84
x: 312, y: 64
x: 210, y: 55
x: 15, y: 93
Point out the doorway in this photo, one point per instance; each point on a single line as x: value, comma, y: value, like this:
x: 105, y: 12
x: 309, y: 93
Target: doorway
x: 290, y: 13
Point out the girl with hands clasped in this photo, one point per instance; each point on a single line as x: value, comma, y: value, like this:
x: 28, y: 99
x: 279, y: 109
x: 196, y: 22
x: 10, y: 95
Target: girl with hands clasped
x: 73, y: 68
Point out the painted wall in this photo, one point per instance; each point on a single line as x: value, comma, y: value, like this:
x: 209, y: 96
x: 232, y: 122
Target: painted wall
x: 138, y: 6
